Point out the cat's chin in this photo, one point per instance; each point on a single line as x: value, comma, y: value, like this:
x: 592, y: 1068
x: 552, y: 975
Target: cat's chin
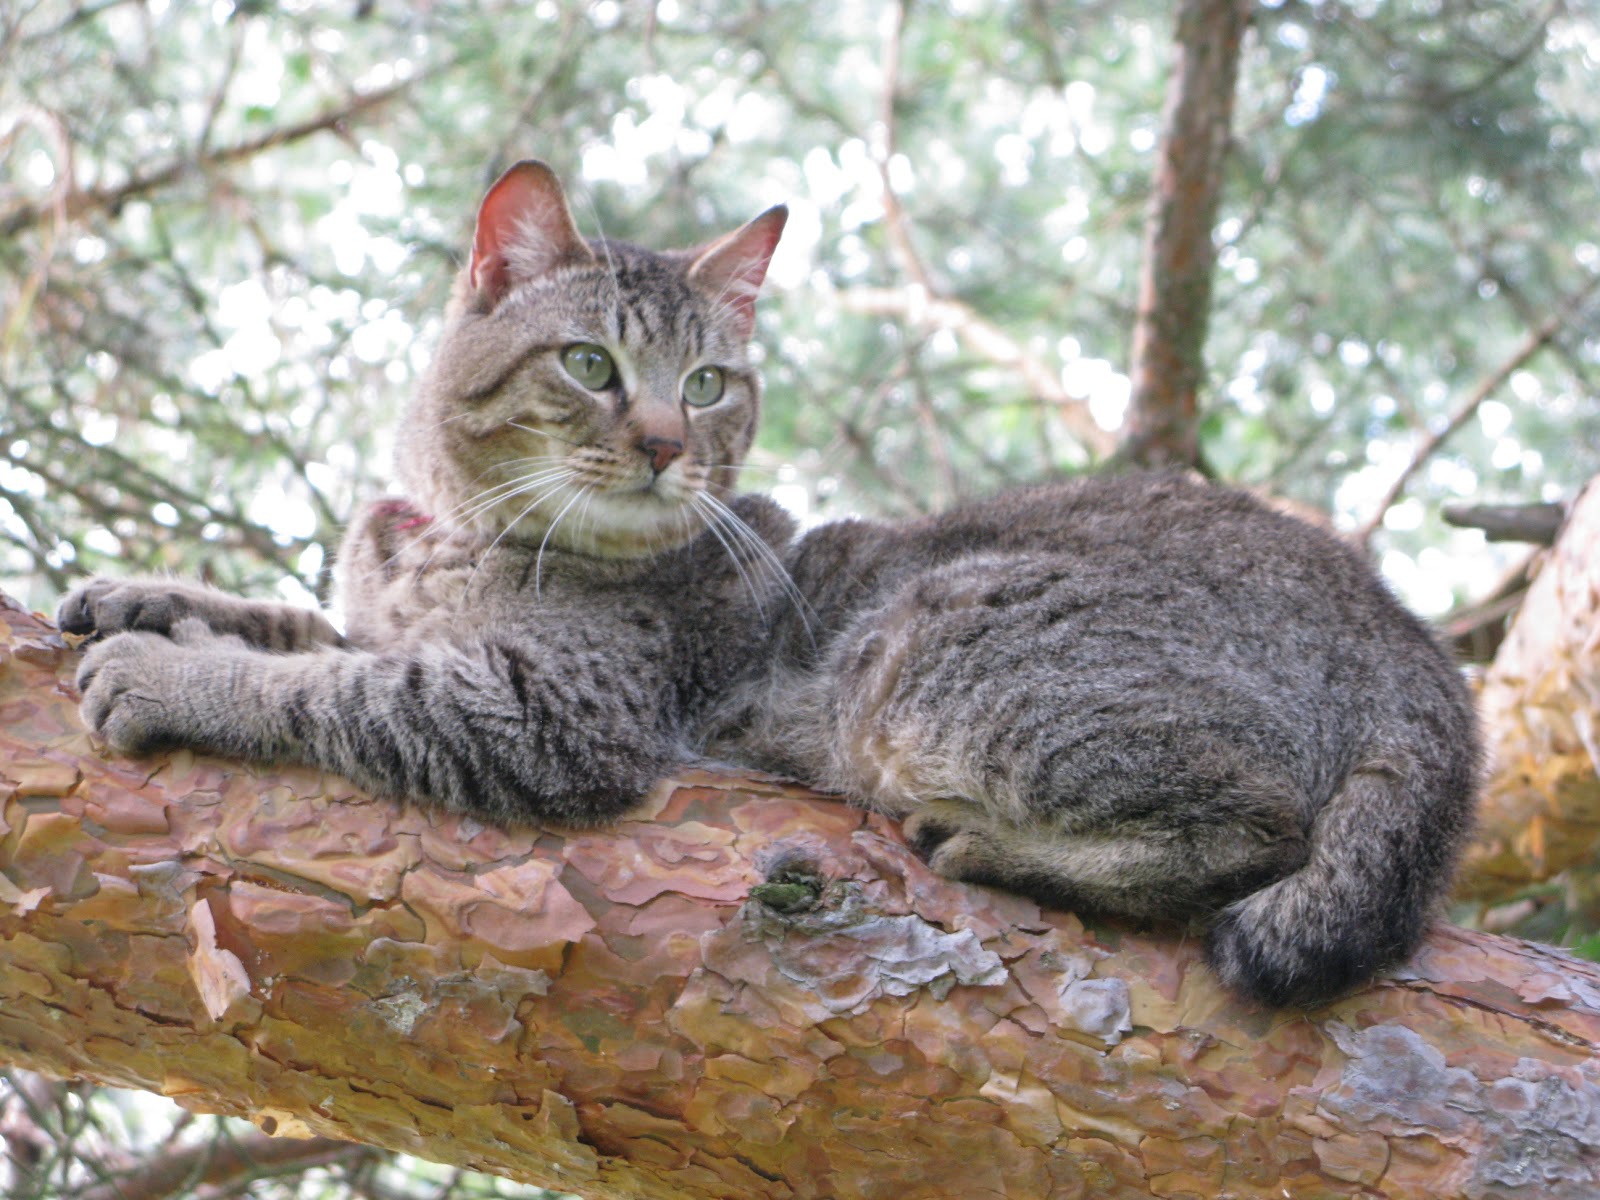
x: 618, y: 525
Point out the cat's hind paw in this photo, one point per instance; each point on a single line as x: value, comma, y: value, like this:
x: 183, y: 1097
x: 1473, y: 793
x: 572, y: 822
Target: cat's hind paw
x: 952, y: 838
x: 928, y: 828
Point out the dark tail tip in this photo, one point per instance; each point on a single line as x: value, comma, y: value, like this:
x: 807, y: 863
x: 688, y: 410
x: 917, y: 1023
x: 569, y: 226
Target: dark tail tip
x: 1305, y: 969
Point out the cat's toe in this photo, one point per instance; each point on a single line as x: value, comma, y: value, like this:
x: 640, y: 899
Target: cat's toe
x: 123, y: 700
x: 76, y: 612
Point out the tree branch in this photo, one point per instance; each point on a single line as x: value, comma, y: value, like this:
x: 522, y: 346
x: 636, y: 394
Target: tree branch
x: 1534, y: 523
x: 221, y: 1162
x: 620, y: 1013
x: 921, y: 308
x: 1541, y: 704
x: 1175, y: 279
x: 78, y: 202
x: 925, y: 304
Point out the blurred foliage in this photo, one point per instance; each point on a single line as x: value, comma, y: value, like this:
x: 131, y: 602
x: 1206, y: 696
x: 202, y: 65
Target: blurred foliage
x: 93, y: 1143
x: 227, y: 231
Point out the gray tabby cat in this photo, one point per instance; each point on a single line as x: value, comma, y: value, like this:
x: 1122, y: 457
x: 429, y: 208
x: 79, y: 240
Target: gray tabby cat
x: 1134, y: 695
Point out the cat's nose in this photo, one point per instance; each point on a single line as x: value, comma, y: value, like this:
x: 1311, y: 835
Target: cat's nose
x: 661, y: 451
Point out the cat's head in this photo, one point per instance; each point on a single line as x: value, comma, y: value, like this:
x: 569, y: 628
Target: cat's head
x: 587, y: 391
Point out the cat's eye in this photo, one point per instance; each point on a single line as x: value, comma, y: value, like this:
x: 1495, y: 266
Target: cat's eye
x: 589, y: 364
x: 703, y: 386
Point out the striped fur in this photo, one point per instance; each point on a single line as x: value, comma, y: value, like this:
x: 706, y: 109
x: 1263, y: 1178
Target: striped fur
x: 1137, y: 695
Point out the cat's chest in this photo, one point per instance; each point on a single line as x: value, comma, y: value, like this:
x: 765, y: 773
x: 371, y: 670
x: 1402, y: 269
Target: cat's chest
x: 406, y: 577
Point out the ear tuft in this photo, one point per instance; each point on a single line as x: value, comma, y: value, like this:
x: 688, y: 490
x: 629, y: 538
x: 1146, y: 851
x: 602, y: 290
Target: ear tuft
x: 524, y: 229
x: 731, y: 268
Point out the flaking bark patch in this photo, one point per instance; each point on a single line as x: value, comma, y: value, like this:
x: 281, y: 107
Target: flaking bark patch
x: 1540, y: 1124
x: 846, y: 955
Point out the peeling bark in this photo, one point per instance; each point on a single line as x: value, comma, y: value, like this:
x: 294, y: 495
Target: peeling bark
x: 1541, y: 705
x: 612, y: 1014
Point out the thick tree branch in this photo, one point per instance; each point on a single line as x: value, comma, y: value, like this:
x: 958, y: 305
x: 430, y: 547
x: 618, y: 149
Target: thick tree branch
x: 627, y: 1012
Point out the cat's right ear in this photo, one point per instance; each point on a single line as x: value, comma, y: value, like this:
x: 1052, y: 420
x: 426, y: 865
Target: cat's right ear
x: 524, y: 230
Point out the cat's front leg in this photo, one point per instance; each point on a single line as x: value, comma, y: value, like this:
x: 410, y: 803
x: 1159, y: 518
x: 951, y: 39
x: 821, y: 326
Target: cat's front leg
x: 145, y: 692
x: 493, y: 728
x: 105, y: 607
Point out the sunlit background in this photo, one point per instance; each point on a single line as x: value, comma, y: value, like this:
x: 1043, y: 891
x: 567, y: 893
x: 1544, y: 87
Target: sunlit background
x: 227, y: 231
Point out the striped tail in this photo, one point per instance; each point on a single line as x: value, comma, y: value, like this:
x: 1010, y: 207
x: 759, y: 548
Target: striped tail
x: 1382, y: 853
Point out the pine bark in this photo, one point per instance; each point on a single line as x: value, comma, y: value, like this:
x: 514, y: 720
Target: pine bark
x: 1168, y: 362
x: 640, y: 1012
x: 1541, y: 704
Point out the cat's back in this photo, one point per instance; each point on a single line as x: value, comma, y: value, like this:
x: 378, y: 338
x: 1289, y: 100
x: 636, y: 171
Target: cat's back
x: 1135, y: 575
x: 1159, y: 529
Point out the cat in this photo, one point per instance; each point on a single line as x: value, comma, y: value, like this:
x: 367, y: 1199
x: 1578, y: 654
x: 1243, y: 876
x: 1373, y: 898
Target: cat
x: 534, y: 630
x: 1138, y: 694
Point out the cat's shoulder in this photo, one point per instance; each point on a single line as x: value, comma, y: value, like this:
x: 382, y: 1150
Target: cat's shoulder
x: 768, y: 519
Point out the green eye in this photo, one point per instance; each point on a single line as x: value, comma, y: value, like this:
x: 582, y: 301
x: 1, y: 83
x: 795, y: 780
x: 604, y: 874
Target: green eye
x: 589, y: 364
x: 703, y: 387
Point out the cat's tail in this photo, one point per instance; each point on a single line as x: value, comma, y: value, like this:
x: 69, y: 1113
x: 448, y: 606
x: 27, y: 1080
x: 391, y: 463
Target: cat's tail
x: 1382, y: 854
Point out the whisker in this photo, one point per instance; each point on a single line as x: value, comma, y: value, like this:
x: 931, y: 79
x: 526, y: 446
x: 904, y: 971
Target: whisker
x: 761, y: 552
x: 584, y: 512
x: 552, y: 490
x: 544, y: 433
x: 538, y: 559
x: 489, y: 498
x: 709, y: 518
x: 469, y: 509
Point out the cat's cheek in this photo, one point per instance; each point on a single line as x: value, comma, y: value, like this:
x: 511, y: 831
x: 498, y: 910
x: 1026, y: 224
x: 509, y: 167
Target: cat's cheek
x: 129, y: 697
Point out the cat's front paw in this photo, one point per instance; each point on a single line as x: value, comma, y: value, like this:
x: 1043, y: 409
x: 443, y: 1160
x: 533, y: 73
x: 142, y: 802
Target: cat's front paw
x: 129, y: 694
x: 109, y: 606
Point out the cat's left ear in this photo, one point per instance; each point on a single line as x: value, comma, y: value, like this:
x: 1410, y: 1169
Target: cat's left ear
x: 731, y: 268
x: 524, y: 229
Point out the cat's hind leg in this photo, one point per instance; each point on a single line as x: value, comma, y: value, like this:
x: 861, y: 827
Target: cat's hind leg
x: 105, y: 607
x: 1141, y: 869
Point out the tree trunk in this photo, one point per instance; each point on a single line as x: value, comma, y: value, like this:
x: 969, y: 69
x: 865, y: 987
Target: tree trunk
x: 749, y: 991
x: 1175, y: 279
x: 1541, y: 705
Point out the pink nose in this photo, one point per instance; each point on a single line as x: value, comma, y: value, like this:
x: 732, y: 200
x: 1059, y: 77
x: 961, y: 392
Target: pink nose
x: 661, y: 451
